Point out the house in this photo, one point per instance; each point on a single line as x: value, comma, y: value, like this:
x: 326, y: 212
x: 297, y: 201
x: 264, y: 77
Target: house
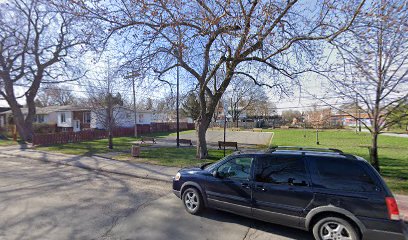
x: 72, y: 118
x: 122, y: 117
x: 64, y: 118
x: 350, y: 121
x: 169, y: 117
x: 3, y: 116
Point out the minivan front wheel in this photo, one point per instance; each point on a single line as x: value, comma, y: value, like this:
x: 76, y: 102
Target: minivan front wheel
x: 193, y: 202
x: 334, y: 228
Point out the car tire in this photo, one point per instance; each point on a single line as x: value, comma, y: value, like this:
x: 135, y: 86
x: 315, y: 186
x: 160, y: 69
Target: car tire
x: 334, y: 228
x: 193, y: 201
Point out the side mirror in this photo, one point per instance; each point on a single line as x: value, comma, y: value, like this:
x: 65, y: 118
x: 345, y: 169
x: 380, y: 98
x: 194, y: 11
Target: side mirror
x: 216, y: 174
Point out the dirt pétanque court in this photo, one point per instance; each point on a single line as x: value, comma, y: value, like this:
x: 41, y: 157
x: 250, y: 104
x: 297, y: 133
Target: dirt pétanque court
x: 246, y: 138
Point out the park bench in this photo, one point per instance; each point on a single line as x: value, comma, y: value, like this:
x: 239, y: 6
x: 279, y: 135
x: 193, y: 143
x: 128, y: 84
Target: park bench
x: 235, y: 129
x: 145, y: 139
x: 227, y: 144
x: 186, y: 141
x: 257, y: 130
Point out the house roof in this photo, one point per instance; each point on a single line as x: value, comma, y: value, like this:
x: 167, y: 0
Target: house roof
x: 362, y: 115
x: 4, y: 109
x: 131, y: 109
x: 50, y: 109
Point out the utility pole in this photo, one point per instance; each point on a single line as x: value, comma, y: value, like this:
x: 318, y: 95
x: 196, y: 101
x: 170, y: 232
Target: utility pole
x: 134, y: 75
x: 134, y: 106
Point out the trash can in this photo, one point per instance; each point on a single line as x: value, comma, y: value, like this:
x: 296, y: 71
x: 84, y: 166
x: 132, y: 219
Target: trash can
x: 135, y: 150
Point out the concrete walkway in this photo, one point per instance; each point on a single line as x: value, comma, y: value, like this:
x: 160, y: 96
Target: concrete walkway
x: 138, y: 170
x: 402, y: 135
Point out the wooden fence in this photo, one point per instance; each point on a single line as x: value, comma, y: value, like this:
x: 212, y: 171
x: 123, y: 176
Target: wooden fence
x: 72, y: 137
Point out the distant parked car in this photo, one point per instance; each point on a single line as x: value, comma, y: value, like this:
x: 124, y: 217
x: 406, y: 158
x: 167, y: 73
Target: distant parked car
x: 332, y: 194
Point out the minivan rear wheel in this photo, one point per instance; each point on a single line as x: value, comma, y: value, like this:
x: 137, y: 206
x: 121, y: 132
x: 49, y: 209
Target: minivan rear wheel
x: 334, y: 228
x: 193, y: 201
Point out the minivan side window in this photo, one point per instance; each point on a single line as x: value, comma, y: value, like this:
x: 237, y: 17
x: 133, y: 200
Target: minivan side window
x: 340, y: 174
x: 289, y: 170
x: 237, y: 168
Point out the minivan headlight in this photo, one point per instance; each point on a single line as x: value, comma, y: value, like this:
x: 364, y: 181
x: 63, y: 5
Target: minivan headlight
x: 177, y: 177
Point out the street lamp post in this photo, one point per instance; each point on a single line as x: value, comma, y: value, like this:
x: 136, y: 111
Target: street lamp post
x: 177, y: 107
x: 225, y: 122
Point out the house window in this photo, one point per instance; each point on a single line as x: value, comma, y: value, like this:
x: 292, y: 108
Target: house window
x: 141, y: 117
x: 87, y: 117
x: 63, y: 118
x: 39, y: 119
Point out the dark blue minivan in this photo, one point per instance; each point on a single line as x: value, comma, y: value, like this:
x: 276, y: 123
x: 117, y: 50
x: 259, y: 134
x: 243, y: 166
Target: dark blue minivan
x: 332, y: 194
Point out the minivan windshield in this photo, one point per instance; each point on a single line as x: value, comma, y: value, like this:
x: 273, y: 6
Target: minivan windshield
x: 210, y: 167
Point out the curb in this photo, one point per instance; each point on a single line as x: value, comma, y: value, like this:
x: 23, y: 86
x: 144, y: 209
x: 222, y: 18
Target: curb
x: 82, y: 166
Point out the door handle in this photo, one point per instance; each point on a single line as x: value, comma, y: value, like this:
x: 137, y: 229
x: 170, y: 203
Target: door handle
x: 245, y: 185
x: 261, y: 188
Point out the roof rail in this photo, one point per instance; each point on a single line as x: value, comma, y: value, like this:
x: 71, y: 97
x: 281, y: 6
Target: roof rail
x: 298, y: 148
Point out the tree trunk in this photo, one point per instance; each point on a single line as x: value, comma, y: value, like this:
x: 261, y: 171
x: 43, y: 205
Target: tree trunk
x: 202, y: 126
x: 24, y: 125
x: 374, y: 151
x: 110, y: 140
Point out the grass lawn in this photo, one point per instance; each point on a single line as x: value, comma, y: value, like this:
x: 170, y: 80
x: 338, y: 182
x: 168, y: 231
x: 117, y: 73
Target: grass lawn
x: 7, y: 142
x: 393, y: 151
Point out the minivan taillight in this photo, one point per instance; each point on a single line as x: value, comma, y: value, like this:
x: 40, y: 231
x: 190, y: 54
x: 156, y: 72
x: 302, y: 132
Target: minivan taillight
x: 392, y: 207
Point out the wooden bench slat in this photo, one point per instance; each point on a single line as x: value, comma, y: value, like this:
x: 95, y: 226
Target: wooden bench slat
x: 186, y: 141
x: 144, y: 139
x: 227, y: 144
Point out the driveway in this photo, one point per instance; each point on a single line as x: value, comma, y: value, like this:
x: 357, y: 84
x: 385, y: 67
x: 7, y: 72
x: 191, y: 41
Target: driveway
x: 43, y: 200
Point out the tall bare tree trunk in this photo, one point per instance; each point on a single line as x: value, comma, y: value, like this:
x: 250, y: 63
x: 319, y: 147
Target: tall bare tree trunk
x: 24, y: 124
x: 374, y: 151
x: 110, y: 139
x: 202, y: 126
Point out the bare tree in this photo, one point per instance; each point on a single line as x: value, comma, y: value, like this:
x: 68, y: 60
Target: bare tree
x: 318, y: 117
x: 56, y: 96
x: 269, y: 42
x: 400, y: 116
x: 289, y: 115
x: 36, y: 37
x: 106, y: 101
x: 241, y: 95
x: 373, y: 71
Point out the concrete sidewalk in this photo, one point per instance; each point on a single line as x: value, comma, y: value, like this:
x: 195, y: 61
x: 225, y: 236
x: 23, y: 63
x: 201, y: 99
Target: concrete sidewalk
x: 138, y: 170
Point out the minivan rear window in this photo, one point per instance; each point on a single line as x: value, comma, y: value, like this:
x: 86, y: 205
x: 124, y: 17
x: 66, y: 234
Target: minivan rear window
x: 340, y: 174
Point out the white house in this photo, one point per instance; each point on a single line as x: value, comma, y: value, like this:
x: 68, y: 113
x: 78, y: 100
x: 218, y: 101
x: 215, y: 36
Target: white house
x: 123, y: 117
x: 66, y: 118
x: 43, y: 115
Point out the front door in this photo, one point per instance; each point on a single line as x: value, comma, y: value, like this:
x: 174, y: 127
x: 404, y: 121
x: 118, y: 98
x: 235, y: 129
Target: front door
x: 281, y: 189
x: 77, y: 126
x: 230, y: 190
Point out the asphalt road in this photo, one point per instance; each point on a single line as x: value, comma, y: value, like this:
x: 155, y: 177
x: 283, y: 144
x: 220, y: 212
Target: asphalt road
x: 46, y: 201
